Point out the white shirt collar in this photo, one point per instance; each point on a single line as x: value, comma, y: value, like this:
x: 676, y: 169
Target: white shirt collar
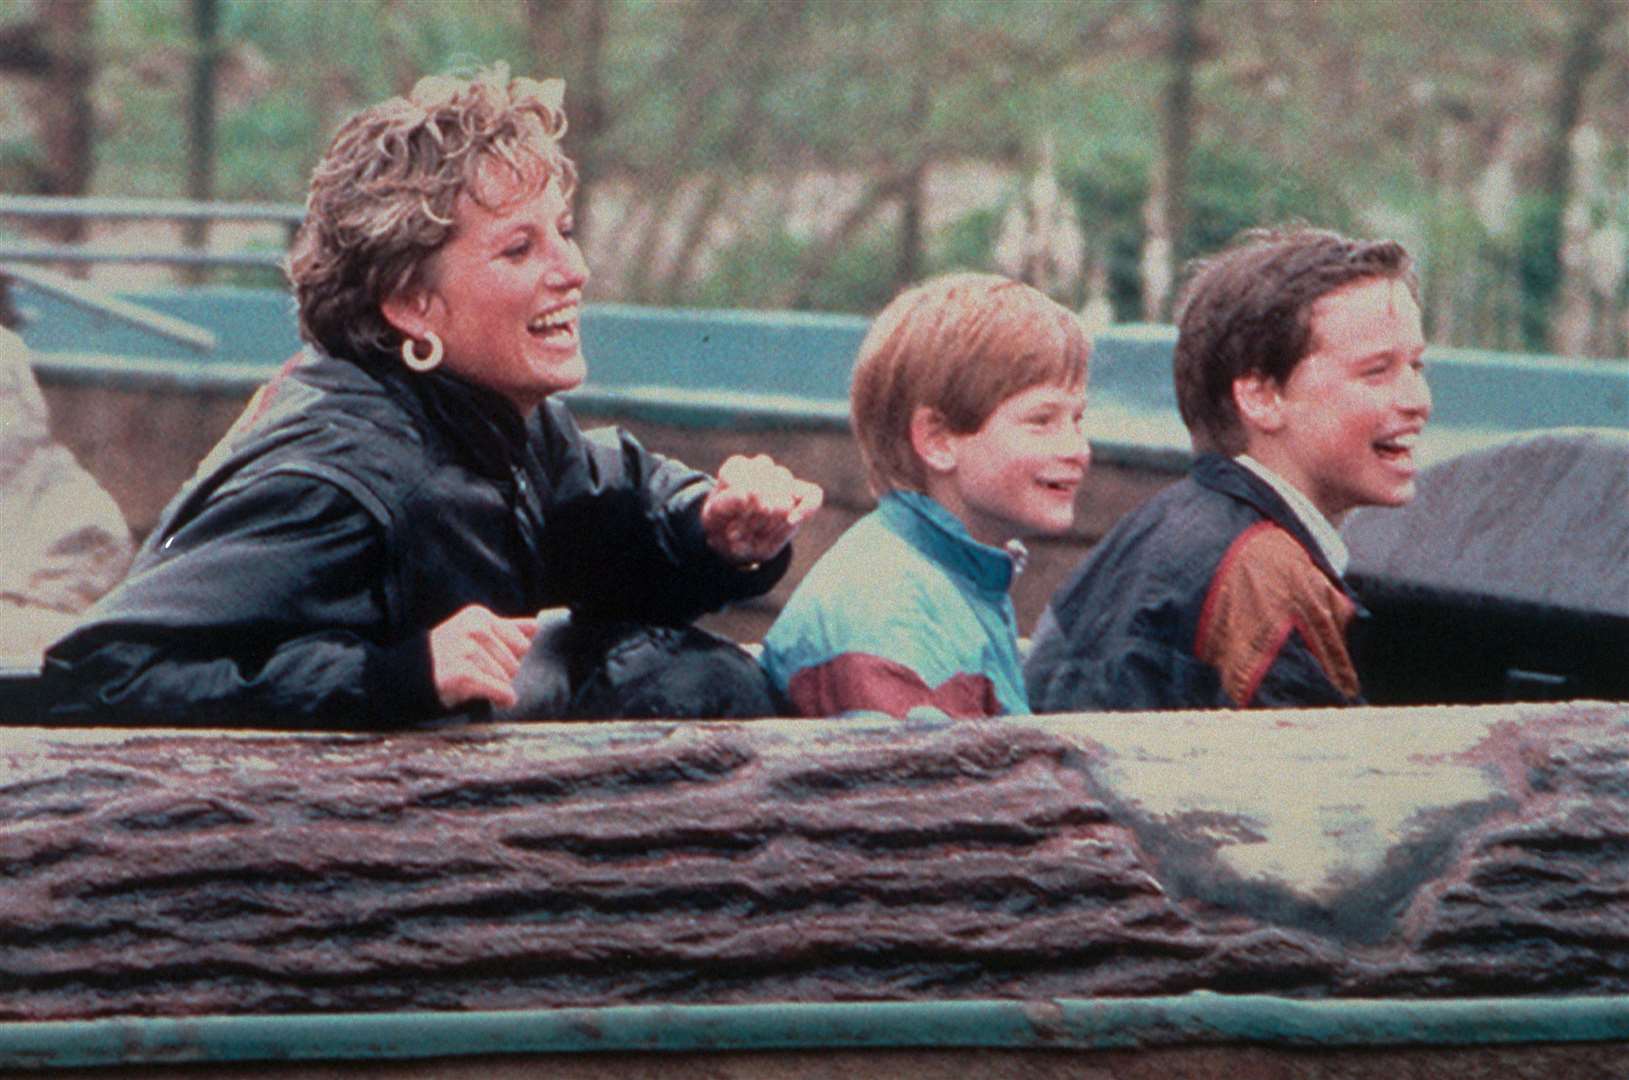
x: 1323, y: 531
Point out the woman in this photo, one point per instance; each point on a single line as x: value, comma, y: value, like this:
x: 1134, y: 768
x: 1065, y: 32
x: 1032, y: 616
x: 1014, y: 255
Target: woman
x: 373, y: 540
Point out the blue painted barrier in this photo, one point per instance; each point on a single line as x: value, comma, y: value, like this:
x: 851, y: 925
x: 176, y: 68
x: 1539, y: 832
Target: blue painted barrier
x: 1108, y: 1023
x: 755, y: 369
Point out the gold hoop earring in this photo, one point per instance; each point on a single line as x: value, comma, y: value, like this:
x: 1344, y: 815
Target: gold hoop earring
x: 411, y: 357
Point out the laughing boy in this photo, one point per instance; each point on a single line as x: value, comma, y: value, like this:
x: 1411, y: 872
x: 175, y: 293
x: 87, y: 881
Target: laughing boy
x: 967, y: 403
x: 1298, y: 373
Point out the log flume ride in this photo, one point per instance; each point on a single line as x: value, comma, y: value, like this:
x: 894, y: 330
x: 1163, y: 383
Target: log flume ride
x: 1433, y: 886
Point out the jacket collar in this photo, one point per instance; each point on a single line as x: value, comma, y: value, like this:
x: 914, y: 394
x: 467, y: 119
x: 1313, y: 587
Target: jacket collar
x: 1319, y: 527
x: 941, y: 536
x: 1229, y: 477
x: 479, y: 423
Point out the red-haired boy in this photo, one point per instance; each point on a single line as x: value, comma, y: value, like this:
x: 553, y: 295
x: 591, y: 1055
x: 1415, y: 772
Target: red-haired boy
x: 967, y: 402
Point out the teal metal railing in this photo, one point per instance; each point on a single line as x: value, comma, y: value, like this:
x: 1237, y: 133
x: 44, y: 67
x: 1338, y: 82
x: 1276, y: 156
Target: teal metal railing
x: 1079, y: 1024
x: 789, y: 369
x: 44, y: 207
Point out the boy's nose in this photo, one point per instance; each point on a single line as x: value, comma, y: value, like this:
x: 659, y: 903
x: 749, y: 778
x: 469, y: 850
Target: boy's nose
x: 1077, y: 448
x: 1416, y: 393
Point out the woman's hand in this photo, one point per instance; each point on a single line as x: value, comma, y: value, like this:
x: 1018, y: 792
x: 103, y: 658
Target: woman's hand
x: 756, y: 509
x: 474, y: 656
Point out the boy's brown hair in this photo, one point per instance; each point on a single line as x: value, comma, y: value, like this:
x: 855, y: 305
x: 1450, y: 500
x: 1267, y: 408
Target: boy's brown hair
x: 1248, y: 310
x: 961, y: 344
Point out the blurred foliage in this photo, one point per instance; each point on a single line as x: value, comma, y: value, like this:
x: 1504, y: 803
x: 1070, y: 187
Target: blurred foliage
x: 1539, y: 234
x: 1109, y: 192
x: 1373, y: 116
x: 20, y: 166
x: 1233, y: 188
x: 966, y: 243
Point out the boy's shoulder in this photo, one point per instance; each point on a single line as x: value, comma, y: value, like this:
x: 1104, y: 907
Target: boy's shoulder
x: 871, y: 577
x: 1169, y: 554
x: 880, y: 590
x: 1267, y: 588
x: 1199, y: 514
x: 1269, y: 569
x: 1215, y: 569
x: 880, y: 623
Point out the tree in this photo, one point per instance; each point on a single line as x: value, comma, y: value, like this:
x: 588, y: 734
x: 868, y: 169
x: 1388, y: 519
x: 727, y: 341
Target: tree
x: 567, y: 40
x: 1168, y: 211
x: 798, y: 152
x: 201, y: 117
x: 58, y: 49
x: 1580, y: 60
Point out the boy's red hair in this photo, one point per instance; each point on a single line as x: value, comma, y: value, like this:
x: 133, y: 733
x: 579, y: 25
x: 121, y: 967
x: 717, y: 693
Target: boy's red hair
x: 961, y: 344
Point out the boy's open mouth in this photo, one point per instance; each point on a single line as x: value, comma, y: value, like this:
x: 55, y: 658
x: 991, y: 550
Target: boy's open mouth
x: 1398, y: 449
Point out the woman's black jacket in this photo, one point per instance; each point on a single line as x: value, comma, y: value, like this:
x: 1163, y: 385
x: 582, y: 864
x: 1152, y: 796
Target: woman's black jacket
x: 355, y: 506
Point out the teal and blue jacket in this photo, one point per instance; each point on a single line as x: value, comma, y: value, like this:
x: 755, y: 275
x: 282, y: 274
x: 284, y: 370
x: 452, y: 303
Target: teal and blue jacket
x: 905, y: 611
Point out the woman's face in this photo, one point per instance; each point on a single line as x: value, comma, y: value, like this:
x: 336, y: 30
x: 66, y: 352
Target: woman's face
x: 504, y: 293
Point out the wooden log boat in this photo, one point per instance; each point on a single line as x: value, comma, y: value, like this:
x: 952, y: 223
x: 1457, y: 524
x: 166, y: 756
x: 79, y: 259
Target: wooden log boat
x: 1310, y: 893
x: 1380, y: 892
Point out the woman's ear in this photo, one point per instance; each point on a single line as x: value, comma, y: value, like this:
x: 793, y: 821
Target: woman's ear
x: 932, y: 440
x: 1259, y: 401
x: 409, y: 311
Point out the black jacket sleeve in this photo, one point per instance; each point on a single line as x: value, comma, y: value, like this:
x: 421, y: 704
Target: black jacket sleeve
x: 267, y: 608
x: 625, y: 534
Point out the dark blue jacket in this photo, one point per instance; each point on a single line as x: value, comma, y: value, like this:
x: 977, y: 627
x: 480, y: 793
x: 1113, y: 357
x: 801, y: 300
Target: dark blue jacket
x: 1210, y: 595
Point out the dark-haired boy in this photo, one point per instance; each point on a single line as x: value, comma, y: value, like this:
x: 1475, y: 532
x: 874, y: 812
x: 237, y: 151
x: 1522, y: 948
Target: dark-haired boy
x: 1298, y: 373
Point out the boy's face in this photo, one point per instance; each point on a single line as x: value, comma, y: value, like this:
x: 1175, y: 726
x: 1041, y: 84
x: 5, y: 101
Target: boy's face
x: 1018, y: 475
x: 1342, y: 428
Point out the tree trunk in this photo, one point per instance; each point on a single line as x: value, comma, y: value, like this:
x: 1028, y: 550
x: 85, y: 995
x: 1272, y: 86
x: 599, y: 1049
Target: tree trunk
x: 1165, y: 213
x: 913, y: 196
x: 1458, y: 853
x: 694, y: 237
x: 1179, y: 121
x: 776, y: 23
x: 568, y: 41
x: 1157, y: 266
x: 23, y: 50
x: 638, y: 284
x: 66, y: 118
x: 201, y: 123
x: 912, y: 210
x: 593, y: 111
x: 818, y: 258
x: 708, y: 25
x: 1581, y: 59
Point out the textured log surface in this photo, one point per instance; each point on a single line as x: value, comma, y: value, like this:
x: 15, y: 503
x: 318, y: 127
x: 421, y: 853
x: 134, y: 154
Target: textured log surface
x: 1409, y: 853
x: 1543, y: 518
x: 1506, y: 578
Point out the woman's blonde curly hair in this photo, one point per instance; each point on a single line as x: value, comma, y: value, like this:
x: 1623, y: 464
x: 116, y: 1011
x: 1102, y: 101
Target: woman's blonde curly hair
x: 382, y: 199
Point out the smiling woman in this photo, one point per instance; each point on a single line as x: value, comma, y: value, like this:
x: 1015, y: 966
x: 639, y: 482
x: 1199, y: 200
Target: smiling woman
x: 503, y: 294
x: 373, y: 541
